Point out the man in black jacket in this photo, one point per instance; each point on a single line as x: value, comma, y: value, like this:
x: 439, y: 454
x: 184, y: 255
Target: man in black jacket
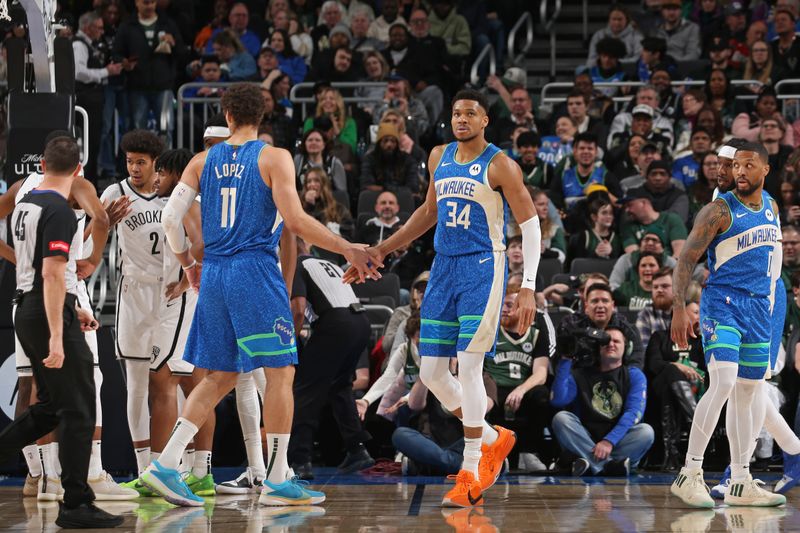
x: 155, y: 52
x: 601, y: 313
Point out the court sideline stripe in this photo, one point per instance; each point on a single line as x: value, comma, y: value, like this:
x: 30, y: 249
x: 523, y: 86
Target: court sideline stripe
x: 416, y: 500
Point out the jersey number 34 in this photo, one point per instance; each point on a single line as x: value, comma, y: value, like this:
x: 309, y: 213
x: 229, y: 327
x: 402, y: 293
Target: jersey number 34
x: 455, y: 218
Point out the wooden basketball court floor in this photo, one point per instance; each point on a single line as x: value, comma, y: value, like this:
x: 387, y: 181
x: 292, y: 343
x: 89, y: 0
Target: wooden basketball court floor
x: 411, y: 504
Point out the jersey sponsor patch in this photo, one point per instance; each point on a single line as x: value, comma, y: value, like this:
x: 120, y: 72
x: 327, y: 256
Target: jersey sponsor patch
x: 59, y: 246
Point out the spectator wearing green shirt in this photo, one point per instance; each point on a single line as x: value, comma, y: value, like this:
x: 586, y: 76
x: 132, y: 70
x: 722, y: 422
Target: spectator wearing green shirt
x: 451, y: 27
x: 638, y: 293
x: 791, y: 253
x: 643, y: 217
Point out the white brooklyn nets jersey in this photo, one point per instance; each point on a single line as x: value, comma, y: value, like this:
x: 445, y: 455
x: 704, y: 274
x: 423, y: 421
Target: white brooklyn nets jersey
x: 139, y: 235
x: 76, y: 246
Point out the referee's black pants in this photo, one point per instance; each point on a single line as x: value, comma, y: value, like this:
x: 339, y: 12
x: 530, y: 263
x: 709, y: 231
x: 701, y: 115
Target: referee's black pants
x: 325, y: 371
x: 66, y: 397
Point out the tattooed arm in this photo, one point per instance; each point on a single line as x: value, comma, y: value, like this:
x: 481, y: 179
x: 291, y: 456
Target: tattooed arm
x: 711, y: 220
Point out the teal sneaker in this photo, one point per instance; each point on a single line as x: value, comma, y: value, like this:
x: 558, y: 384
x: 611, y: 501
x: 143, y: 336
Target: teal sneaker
x: 170, y: 485
x: 317, y: 497
x: 201, y: 486
x: 287, y: 493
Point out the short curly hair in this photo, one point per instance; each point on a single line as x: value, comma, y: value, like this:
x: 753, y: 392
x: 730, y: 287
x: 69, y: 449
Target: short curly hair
x: 244, y: 103
x: 142, y: 142
x: 173, y: 161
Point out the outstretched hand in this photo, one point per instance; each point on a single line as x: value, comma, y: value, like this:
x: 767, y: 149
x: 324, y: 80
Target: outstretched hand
x: 364, y: 263
x: 524, y: 309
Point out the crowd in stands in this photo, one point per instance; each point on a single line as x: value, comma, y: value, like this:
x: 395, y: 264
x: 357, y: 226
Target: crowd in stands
x: 616, y: 185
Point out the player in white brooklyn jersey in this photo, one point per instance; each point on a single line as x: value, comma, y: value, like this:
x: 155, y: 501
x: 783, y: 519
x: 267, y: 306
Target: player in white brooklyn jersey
x: 43, y: 463
x: 140, y: 240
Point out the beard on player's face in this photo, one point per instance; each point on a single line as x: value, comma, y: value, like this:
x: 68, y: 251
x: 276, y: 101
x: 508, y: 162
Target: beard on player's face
x: 746, y: 189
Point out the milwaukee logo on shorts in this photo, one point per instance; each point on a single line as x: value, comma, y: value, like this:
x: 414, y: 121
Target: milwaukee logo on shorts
x: 59, y: 245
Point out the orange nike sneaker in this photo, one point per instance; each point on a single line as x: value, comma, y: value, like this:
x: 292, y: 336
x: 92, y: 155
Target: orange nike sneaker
x: 470, y: 520
x: 466, y: 493
x: 493, y: 457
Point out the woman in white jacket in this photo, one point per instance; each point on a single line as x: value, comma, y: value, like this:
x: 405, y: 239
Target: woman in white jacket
x: 620, y: 26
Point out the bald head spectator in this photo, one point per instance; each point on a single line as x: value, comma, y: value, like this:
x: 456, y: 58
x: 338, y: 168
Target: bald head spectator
x: 374, y: 230
x: 682, y: 36
x: 386, y: 167
x: 791, y: 253
x: 238, y: 20
x: 664, y: 195
x: 521, y: 116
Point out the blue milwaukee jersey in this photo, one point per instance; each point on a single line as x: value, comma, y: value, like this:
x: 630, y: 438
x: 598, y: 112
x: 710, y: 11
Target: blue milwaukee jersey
x: 741, y: 257
x: 471, y: 216
x: 238, y: 211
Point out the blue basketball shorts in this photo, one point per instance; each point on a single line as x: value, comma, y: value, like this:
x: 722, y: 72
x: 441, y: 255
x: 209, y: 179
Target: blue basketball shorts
x: 736, y: 327
x: 242, y: 320
x: 462, y: 304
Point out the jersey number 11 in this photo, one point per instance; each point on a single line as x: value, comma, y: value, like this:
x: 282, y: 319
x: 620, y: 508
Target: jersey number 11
x: 228, y: 206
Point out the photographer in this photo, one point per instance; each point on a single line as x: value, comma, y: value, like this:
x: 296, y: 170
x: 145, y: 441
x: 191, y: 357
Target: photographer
x: 607, y: 399
x: 599, y: 312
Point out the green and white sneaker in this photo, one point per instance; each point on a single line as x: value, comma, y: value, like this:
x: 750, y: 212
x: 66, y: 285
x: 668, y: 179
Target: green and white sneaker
x: 201, y: 486
x: 749, y: 492
x: 690, y: 487
x: 137, y: 485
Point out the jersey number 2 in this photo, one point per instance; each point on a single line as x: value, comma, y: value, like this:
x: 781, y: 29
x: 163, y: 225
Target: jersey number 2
x: 228, y: 206
x: 455, y: 218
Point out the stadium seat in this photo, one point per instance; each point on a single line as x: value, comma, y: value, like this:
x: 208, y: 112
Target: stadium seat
x: 387, y: 286
x: 548, y: 269
x: 585, y: 265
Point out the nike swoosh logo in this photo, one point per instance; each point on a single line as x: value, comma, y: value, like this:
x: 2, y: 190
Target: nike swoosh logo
x: 740, y: 215
x: 474, y: 501
x: 170, y: 304
x: 446, y: 164
x: 482, y: 261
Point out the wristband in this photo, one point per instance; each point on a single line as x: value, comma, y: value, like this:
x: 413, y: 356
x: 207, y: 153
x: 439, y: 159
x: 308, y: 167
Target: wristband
x: 194, y: 264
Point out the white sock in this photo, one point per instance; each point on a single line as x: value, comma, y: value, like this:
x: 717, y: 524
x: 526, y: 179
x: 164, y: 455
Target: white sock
x: 95, y: 460
x: 47, y: 454
x: 31, y: 453
x: 182, y: 435
x: 155, y: 456
x: 739, y: 424
x: 722, y: 377
x: 489, y: 435
x: 249, y: 417
x: 56, y: 460
x: 143, y: 458
x: 187, y: 459
x: 472, y: 456
x: 202, y: 464
x: 278, y: 465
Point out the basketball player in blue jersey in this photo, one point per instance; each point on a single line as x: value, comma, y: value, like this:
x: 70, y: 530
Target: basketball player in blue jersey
x: 242, y: 321
x: 764, y: 411
x: 466, y: 200
x: 740, y: 230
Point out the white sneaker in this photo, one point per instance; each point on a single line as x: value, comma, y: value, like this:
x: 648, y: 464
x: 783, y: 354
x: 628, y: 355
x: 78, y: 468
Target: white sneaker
x: 50, y: 489
x: 749, y: 492
x: 31, y: 487
x: 246, y: 483
x: 690, y: 487
x: 530, y: 462
x: 106, y: 489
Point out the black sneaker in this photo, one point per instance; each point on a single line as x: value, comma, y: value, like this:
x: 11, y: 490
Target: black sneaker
x: 579, y: 467
x: 619, y: 468
x: 86, y: 516
x: 304, y: 471
x: 353, y: 462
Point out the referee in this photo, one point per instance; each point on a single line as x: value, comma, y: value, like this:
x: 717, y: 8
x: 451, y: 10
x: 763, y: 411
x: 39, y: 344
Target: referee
x: 49, y: 330
x: 326, y: 368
